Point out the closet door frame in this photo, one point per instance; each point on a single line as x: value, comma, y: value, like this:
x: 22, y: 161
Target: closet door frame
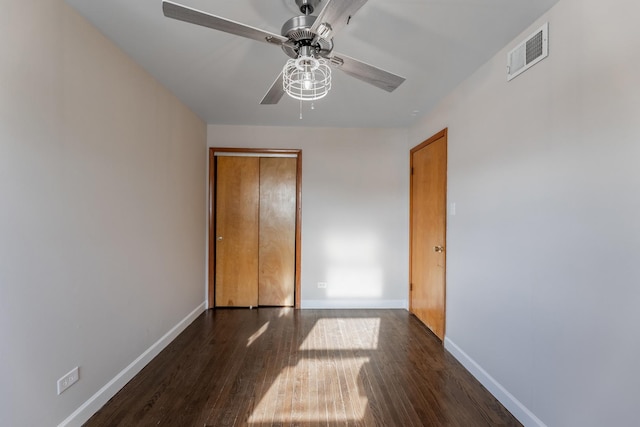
x: 258, y: 152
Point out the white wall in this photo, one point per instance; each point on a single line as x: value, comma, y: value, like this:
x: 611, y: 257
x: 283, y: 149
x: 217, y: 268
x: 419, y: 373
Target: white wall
x: 354, y: 210
x: 102, y: 211
x: 543, y: 271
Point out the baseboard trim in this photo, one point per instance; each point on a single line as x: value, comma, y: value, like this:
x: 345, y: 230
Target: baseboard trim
x: 102, y: 396
x: 353, y: 304
x: 521, y: 412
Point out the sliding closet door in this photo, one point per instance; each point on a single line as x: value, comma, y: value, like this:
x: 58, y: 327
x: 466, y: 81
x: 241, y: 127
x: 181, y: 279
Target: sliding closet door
x: 255, y: 230
x: 237, y: 231
x: 277, y: 231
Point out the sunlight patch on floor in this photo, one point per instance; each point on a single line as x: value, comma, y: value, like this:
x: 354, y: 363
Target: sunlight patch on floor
x: 283, y: 311
x: 324, y: 391
x: 368, y: 330
x: 257, y: 334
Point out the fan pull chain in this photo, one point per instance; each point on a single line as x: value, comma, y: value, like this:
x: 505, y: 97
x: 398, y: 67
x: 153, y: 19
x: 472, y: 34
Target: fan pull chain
x: 313, y: 107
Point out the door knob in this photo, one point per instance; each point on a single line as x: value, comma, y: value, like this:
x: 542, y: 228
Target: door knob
x: 219, y: 237
x: 439, y: 249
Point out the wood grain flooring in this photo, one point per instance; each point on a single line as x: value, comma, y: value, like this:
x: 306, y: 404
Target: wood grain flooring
x: 285, y: 367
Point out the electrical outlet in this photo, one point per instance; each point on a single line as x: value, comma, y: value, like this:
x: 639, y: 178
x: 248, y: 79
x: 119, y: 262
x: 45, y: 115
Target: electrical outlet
x: 68, y: 380
x: 322, y: 285
x: 452, y: 209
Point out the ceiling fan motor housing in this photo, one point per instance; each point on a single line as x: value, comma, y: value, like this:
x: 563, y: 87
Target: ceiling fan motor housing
x: 297, y: 31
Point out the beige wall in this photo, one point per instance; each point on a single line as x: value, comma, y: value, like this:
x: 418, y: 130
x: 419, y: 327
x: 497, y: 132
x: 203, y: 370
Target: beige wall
x: 102, y: 211
x: 543, y: 272
x: 355, y: 185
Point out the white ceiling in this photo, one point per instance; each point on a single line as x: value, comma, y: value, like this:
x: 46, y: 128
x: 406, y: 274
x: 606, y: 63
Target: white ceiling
x: 434, y: 44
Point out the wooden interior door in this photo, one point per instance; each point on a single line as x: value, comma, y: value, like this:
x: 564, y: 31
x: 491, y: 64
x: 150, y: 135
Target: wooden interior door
x: 237, y: 227
x: 428, y: 232
x: 276, y: 258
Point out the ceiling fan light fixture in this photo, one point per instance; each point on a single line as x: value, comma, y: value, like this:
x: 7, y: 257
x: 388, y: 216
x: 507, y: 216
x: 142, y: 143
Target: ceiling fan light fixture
x: 306, y: 78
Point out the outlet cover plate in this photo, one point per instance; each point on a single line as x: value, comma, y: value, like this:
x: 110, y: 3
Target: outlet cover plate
x: 68, y: 380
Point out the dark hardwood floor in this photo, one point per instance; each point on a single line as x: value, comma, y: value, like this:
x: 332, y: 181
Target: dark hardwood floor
x: 276, y: 367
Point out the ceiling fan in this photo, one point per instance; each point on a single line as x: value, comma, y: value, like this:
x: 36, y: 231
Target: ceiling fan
x: 307, y: 40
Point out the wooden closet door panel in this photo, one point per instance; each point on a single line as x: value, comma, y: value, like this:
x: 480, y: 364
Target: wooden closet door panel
x: 237, y: 222
x: 277, y: 231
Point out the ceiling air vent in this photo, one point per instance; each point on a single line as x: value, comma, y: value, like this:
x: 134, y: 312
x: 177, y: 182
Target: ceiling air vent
x: 528, y: 53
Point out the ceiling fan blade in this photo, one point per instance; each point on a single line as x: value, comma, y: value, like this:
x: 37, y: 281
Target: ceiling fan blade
x: 367, y: 73
x: 334, y: 16
x: 193, y: 16
x: 275, y: 92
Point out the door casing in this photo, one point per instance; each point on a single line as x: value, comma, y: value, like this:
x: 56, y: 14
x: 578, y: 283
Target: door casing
x: 212, y: 211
